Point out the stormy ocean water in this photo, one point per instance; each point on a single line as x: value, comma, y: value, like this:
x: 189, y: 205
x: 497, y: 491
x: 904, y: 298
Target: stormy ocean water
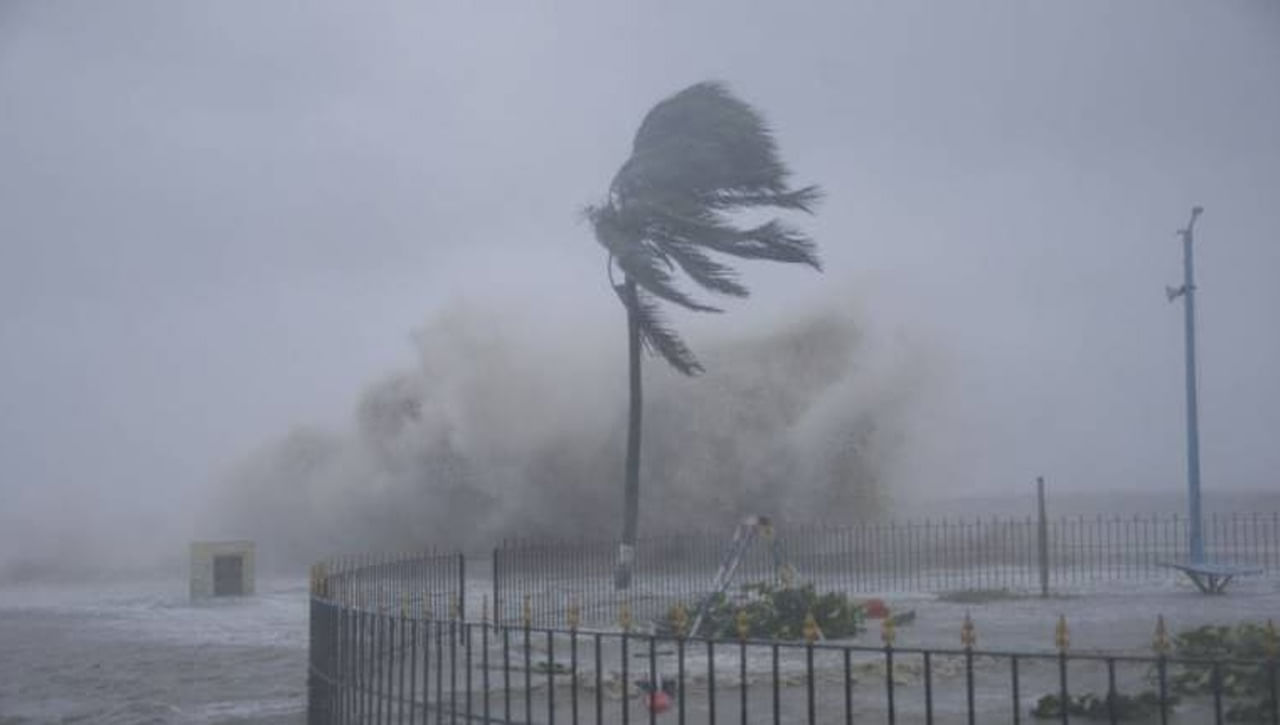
x: 142, y: 652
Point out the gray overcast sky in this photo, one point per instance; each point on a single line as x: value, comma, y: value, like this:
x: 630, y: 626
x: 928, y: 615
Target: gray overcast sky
x: 222, y: 219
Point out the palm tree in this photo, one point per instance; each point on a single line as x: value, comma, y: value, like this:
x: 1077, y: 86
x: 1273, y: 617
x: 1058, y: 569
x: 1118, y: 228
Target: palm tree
x: 700, y: 156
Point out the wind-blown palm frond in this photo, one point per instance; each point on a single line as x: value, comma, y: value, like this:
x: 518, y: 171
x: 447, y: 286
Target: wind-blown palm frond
x: 650, y: 268
x: 705, y: 143
x: 772, y: 240
x: 702, y: 269
x: 657, y: 335
x: 698, y: 158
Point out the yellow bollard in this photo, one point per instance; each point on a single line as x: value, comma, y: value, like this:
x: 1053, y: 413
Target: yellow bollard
x: 574, y: 616
x: 1062, y: 635
x: 888, y: 631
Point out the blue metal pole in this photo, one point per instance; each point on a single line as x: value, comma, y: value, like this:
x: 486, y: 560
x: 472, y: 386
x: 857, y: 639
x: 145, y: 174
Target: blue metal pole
x: 1188, y: 292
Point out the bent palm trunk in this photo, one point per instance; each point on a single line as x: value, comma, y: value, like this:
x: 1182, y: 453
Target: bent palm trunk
x: 631, y: 488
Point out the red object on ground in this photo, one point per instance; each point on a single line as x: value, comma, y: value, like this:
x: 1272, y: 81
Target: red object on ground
x: 659, y: 701
x: 876, y: 609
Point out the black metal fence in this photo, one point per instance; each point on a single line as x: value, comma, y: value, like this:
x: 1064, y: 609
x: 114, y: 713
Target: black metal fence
x: 400, y: 667
x: 916, y: 556
x: 431, y: 584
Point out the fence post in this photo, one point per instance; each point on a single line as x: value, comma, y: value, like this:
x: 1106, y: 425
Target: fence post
x: 462, y: 585
x: 1043, y: 537
x: 497, y: 612
x: 314, y: 714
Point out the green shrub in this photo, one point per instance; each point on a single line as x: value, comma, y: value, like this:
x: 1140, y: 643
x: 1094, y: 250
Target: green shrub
x: 1246, y: 641
x: 1089, y: 706
x: 1258, y: 711
x: 1239, y: 679
x: 776, y: 613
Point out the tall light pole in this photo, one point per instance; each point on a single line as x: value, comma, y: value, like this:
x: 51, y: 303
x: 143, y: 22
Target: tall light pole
x: 1188, y: 294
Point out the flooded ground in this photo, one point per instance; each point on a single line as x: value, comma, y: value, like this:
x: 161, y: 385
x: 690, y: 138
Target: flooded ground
x: 145, y: 654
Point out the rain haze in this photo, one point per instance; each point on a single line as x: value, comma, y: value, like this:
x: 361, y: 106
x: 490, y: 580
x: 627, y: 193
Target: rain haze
x: 230, y: 232
x: 331, y: 277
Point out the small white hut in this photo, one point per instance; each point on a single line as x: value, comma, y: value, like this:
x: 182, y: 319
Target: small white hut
x: 221, y: 568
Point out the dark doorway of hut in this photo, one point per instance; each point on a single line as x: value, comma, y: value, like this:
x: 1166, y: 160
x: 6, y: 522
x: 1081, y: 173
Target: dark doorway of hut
x: 228, y: 575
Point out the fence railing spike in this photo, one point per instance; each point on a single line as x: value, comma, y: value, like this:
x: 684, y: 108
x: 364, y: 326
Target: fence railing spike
x: 968, y: 633
x: 680, y: 619
x: 1160, y: 642
x: 624, y: 617
x: 888, y: 631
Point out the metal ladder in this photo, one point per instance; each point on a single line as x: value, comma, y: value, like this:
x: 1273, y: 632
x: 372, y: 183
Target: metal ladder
x: 746, y: 532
